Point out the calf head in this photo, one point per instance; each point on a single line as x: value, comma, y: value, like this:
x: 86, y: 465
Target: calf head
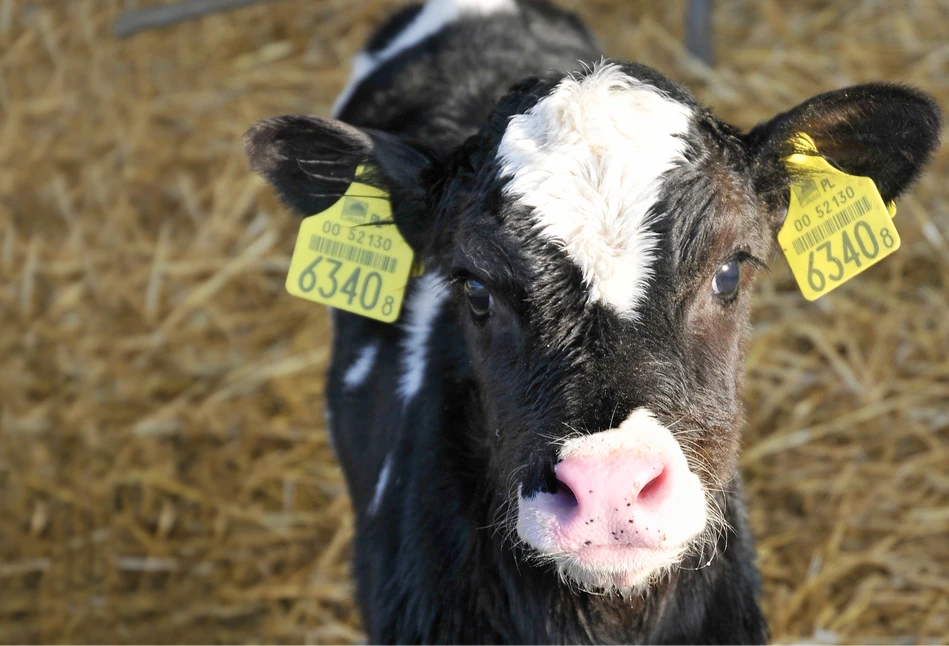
x: 598, y: 238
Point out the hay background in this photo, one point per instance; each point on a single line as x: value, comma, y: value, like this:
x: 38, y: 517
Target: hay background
x: 164, y: 472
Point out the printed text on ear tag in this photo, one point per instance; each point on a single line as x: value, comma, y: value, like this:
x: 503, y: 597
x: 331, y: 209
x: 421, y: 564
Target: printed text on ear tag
x: 352, y: 257
x: 837, y: 224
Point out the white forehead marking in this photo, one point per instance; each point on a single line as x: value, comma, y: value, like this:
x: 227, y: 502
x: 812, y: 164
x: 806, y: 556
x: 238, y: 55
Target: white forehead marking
x: 430, y: 20
x: 422, y: 309
x: 588, y: 159
x: 357, y: 372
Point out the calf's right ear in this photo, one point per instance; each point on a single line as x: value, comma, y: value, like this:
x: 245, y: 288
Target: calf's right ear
x: 311, y: 161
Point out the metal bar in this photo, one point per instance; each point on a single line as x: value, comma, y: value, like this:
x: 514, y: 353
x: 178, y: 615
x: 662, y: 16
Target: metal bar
x: 136, y: 20
x: 699, y: 37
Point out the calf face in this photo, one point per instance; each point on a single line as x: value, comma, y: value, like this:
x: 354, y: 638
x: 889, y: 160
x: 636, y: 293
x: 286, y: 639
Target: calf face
x: 597, y: 239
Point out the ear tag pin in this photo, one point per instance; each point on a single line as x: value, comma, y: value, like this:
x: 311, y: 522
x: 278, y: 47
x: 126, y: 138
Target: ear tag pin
x: 352, y: 257
x: 837, y: 224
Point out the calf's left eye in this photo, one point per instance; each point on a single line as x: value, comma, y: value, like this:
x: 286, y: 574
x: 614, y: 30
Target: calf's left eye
x: 479, y: 298
x: 727, y: 279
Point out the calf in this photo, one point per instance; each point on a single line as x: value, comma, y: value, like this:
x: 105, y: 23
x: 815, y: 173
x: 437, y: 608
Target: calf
x: 543, y: 448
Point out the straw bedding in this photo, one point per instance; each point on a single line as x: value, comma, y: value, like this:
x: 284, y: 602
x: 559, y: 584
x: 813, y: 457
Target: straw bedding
x: 164, y: 471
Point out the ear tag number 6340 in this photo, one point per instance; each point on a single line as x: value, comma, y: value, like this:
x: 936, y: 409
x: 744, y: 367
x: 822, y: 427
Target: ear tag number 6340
x: 352, y: 257
x: 837, y: 224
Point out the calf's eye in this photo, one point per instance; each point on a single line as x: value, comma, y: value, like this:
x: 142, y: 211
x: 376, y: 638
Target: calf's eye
x: 479, y: 298
x: 727, y: 279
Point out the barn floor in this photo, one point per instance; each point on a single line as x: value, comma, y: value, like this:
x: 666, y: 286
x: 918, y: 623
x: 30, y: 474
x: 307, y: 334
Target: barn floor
x: 164, y: 471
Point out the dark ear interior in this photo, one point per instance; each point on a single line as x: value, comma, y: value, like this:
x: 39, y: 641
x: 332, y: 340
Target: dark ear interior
x: 311, y: 162
x: 882, y: 131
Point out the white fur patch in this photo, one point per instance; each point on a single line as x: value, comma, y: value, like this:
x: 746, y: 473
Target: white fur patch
x: 363, y: 64
x: 360, y: 368
x: 422, y: 308
x: 588, y: 159
x: 430, y: 20
x: 628, y: 437
x: 381, y: 485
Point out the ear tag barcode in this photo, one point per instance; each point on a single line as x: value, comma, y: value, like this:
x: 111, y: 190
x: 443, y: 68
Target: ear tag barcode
x: 346, y: 258
x: 837, y: 224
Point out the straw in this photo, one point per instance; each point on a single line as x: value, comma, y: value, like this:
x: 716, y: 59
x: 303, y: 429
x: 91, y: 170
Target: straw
x: 165, y: 474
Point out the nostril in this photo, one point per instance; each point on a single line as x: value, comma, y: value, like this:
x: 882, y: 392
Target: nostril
x: 654, y: 487
x: 566, y: 495
x: 553, y: 485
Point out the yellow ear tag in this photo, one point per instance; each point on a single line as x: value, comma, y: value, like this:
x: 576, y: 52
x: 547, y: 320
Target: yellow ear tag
x: 837, y: 224
x: 352, y: 257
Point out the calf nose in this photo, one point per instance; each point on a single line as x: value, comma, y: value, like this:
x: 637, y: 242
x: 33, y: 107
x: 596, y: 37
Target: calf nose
x: 623, y: 498
x: 616, y: 484
x: 641, y: 496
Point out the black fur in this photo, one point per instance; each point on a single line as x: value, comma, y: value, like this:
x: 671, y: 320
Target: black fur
x: 436, y: 563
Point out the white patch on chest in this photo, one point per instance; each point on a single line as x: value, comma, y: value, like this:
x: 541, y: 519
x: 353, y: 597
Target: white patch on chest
x: 381, y: 484
x: 357, y: 372
x: 589, y: 159
x: 422, y: 308
x: 429, y: 21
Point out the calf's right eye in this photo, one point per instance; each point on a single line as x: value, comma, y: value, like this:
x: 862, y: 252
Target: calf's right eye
x: 479, y: 298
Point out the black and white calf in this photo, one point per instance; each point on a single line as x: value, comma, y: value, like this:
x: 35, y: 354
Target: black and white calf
x: 543, y: 448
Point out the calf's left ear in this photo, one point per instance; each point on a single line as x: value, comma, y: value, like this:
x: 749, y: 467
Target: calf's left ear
x: 883, y: 131
x: 311, y: 161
